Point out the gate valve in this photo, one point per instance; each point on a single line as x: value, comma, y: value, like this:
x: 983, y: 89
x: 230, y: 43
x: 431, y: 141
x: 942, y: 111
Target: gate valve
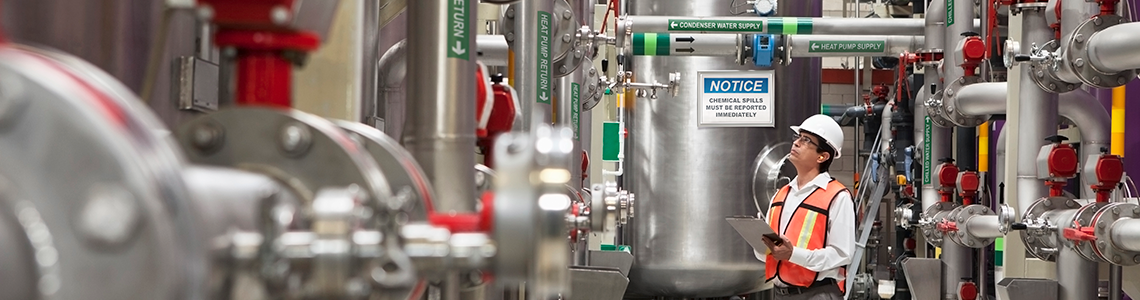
x: 947, y: 178
x: 1109, y: 170
x: 968, y: 185
x: 1056, y: 163
x: 973, y: 52
x: 1080, y: 234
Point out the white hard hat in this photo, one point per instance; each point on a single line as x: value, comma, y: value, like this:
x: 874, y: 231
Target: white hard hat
x: 826, y: 128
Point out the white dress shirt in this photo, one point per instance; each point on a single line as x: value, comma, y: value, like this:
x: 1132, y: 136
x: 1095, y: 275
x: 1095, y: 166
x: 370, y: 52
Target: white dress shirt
x: 840, y: 230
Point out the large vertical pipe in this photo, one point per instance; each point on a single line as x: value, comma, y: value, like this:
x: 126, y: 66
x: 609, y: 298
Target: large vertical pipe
x: 1115, y: 275
x: 369, y: 54
x: 440, y: 131
x: 1076, y: 276
x: 1038, y: 113
x: 957, y: 260
x: 935, y: 140
x: 528, y: 73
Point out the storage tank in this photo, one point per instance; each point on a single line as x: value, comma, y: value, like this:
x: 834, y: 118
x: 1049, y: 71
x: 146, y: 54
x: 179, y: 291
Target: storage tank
x: 687, y: 179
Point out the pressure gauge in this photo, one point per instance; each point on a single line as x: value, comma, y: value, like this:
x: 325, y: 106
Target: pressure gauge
x: 1012, y: 49
x: 764, y: 8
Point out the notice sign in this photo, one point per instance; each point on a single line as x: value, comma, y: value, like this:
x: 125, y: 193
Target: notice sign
x: 737, y: 99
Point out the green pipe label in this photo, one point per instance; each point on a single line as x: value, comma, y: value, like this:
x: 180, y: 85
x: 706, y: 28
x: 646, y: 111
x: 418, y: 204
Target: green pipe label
x: 847, y: 46
x: 789, y: 26
x: 926, y: 151
x: 715, y: 25
x: 651, y: 44
x: 457, y: 40
x: 949, y: 13
x: 575, y: 110
x: 544, y: 23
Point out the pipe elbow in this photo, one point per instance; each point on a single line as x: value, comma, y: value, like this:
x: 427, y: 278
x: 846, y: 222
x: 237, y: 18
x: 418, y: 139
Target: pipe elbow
x: 1088, y: 114
x: 392, y: 67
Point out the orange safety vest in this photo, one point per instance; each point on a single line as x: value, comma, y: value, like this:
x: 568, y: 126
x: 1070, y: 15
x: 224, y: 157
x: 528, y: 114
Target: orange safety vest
x: 807, y: 230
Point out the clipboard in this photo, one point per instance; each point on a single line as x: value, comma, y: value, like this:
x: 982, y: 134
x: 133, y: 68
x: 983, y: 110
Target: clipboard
x: 753, y: 230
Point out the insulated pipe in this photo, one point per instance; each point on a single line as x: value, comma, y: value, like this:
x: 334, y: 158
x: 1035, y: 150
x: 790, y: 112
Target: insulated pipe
x: 959, y: 23
x: 493, y: 50
x: 1125, y: 234
x: 1114, y: 49
x: 440, y: 132
x: 776, y: 25
x: 1079, y: 107
x: 1038, y: 112
x: 986, y: 227
x: 685, y: 44
x: 875, y: 45
x: 957, y: 259
x: 1073, y: 14
x: 1076, y: 277
x: 935, y: 141
x: 531, y: 78
x: 1085, y: 110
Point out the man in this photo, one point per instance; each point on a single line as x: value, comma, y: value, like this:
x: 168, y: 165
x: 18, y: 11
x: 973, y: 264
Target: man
x: 815, y: 217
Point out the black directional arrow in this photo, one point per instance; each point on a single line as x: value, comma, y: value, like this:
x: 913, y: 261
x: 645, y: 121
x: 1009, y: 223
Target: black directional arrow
x: 686, y: 39
x: 686, y: 50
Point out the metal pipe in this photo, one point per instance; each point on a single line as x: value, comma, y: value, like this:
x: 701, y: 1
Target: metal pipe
x: 532, y: 68
x: 958, y: 23
x: 984, y: 227
x: 1125, y: 234
x: 1118, y: 95
x: 1038, y: 112
x: 956, y: 258
x: 391, y: 71
x: 369, y: 55
x: 935, y: 140
x: 1076, y: 277
x: 493, y: 50
x: 1115, y: 282
x: 957, y: 264
x: 1114, y: 49
x: 685, y: 44
x: 440, y: 132
x: 1073, y: 14
x: 777, y: 25
x: 850, y: 45
x: 1085, y: 111
x: 980, y: 99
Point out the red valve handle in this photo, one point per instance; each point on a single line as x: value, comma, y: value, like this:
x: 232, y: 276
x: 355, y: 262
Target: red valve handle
x: 1080, y: 234
x: 947, y: 226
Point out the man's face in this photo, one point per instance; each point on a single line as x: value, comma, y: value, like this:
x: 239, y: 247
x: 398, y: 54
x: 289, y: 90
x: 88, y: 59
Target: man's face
x: 805, y: 150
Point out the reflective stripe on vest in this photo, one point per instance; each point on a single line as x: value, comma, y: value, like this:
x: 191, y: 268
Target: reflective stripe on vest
x: 807, y: 230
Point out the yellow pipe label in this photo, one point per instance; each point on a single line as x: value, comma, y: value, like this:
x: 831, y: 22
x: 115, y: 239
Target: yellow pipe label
x: 1117, y: 139
x: 984, y: 147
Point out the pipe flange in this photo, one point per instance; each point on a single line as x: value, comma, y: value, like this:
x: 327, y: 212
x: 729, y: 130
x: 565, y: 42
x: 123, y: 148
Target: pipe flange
x: 1017, y: 8
x: 1040, y: 237
x: 592, y: 91
x: 1084, y: 218
x: 408, y: 182
x: 306, y: 152
x: 935, y: 112
x: 562, y: 36
x: 962, y: 215
x: 1104, y: 219
x: 934, y: 215
x: 1078, y: 48
x: 1043, y: 75
x: 951, y: 109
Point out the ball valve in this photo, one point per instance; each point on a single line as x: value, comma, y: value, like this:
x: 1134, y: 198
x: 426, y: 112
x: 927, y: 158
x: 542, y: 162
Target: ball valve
x: 935, y: 221
x: 973, y: 51
x: 1108, y: 170
x: 972, y: 225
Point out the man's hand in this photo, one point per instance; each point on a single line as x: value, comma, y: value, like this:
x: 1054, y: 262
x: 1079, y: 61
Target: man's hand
x: 782, y: 251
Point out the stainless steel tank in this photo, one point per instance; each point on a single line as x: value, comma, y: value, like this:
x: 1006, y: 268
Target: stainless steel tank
x: 114, y: 35
x: 687, y: 179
